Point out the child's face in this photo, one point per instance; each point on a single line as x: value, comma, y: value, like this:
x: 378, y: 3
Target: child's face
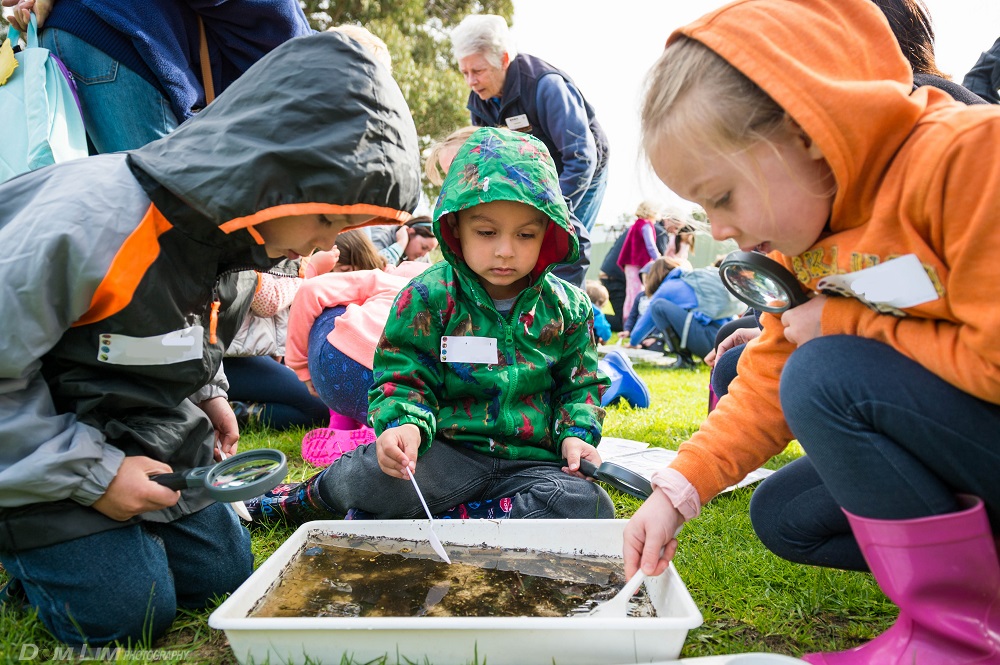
x: 299, y: 235
x: 418, y: 246
x: 774, y: 195
x: 501, y: 241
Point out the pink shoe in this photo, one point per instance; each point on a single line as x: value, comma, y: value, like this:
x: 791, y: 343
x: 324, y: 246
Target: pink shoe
x: 324, y: 446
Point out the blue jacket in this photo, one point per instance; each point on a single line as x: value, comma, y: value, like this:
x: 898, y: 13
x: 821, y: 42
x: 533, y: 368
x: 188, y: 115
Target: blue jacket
x: 677, y: 291
x: 558, y: 116
x: 158, y: 39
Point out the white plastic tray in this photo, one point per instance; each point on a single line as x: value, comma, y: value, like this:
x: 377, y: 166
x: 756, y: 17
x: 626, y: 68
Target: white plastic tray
x: 579, y: 640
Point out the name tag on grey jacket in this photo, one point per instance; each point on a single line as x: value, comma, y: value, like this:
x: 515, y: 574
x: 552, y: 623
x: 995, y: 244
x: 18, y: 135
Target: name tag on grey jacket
x: 173, y: 347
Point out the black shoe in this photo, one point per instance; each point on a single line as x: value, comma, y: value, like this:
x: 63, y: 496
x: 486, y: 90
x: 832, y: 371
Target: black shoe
x: 683, y: 361
x: 657, y: 346
x: 242, y: 412
x: 12, y: 594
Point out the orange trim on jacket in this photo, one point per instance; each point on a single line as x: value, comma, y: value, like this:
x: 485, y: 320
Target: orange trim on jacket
x: 127, y: 269
x: 380, y: 215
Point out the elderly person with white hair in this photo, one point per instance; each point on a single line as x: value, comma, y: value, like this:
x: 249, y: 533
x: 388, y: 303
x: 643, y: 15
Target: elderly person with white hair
x: 525, y: 93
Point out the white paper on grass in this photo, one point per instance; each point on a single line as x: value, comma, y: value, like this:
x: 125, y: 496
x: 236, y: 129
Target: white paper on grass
x: 637, y: 456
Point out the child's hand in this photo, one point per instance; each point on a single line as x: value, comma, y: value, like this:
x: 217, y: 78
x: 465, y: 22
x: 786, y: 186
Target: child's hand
x: 739, y: 336
x: 804, y: 323
x: 227, y: 430
x: 397, y: 450
x: 649, y: 540
x: 573, y: 449
x: 131, y: 492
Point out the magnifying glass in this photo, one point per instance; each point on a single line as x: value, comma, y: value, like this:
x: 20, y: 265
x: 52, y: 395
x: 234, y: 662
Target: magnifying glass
x: 762, y: 283
x: 237, y: 478
x: 617, y: 476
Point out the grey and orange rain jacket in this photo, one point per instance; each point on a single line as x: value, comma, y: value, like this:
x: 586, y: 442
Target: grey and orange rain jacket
x: 112, y: 266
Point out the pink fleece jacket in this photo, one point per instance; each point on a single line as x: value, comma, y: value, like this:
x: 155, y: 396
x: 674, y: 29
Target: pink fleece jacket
x: 368, y: 295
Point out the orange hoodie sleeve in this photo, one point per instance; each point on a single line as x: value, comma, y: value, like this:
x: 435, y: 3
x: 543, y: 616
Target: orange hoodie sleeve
x: 747, y: 428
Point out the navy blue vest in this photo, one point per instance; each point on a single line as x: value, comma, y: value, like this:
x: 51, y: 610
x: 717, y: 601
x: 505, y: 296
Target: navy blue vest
x: 519, y: 97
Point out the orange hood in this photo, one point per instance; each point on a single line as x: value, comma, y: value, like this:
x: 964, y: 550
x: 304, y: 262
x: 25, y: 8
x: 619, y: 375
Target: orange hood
x: 837, y: 70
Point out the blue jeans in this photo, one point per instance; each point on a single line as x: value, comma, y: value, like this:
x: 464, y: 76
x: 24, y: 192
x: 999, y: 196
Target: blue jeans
x: 885, y: 438
x: 285, y: 400
x: 671, y: 318
x: 126, y: 584
x: 121, y: 110
x: 450, y: 475
x: 341, y: 382
x: 590, y: 203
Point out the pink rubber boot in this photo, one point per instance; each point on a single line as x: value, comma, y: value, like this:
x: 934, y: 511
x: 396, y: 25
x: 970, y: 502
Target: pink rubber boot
x: 943, y: 573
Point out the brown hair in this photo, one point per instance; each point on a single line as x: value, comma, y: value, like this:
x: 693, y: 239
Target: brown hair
x: 357, y: 249
x: 657, y: 272
x: 422, y: 226
x: 433, y: 168
x: 911, y: 26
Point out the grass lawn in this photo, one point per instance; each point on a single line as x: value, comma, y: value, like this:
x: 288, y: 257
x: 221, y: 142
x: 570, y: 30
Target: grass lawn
x: 750, y: 599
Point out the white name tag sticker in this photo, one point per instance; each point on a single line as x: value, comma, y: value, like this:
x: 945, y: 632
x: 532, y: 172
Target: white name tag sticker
x: 517, y: 122
x: 901, y: 282
x: 173, y: 347
x: 481, y: 350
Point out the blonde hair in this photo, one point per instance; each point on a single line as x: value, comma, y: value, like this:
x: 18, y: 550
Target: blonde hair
x: 370, y: 41
x: 357, y: 250
x: 695, y: 96
x: 597, y: 292
x: 433, y: 168
x: 648, y: 210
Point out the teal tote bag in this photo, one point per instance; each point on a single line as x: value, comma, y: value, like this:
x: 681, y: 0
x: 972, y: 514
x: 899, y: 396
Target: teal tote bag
x: 41, y: 114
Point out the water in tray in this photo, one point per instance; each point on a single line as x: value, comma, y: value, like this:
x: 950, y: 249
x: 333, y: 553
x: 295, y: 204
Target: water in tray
x: 351, y: 576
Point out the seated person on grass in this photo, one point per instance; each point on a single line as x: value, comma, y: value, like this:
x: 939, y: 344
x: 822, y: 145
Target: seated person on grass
x: 486, y: 377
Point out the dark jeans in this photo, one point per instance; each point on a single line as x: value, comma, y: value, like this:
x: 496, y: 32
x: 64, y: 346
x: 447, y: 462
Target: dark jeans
x: 725, y: 365
x: 126, y: 584
x: 285, y: 400
x: 671, y: 318
x: 341, y: 382
x: 885, y: 438
x: 449, y: 475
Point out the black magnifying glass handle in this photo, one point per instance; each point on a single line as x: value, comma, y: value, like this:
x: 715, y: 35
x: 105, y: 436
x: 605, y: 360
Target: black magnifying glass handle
x: 182, y: 480
x: 587, y: 467
x: 174, y: 481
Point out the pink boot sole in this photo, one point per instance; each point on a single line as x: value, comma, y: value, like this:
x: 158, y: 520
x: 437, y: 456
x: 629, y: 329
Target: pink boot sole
x: 324, y: 446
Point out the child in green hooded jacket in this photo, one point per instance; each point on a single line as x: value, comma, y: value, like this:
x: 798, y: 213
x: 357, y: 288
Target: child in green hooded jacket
x: 487, y: 368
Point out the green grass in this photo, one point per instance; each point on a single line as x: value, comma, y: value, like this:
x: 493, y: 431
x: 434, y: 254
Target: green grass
x: 751, y: 600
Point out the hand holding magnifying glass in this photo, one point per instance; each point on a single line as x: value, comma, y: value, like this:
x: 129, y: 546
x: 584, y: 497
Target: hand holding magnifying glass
x: 238, y: 478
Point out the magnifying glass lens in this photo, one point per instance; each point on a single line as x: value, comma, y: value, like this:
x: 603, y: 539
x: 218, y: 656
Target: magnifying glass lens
x: 755, y: 287
x: 245, y: 472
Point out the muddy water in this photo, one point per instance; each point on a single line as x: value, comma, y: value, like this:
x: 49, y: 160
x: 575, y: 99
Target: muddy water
x: 340, y: 576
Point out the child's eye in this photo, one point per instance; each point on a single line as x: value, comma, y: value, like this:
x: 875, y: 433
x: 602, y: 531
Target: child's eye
x: 485, y: 234
x: 527, y: 235
x: 722, y: 201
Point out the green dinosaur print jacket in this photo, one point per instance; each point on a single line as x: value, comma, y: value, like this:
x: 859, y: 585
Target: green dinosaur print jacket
x: 545, y: 385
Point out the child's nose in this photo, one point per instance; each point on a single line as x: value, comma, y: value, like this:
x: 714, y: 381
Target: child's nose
x: 505, y: 248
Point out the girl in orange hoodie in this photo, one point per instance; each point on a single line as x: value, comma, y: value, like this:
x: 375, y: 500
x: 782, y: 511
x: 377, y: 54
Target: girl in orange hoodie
x: 796, y: 125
